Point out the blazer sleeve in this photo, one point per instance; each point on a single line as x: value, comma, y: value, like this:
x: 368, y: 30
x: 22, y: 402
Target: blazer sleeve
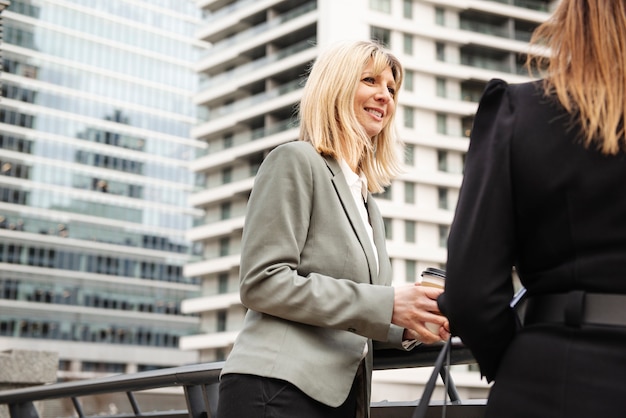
x: 278, y: 221
x: 481, y: 243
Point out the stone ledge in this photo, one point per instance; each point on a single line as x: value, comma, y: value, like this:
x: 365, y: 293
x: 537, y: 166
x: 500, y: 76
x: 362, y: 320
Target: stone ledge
x: 27, y: 368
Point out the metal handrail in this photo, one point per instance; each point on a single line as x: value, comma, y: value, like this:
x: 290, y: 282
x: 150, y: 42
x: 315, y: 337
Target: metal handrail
x: 205, y: 373
x: 200, y: 383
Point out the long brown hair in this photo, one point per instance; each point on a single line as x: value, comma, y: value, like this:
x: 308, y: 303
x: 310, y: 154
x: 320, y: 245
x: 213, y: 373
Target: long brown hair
x: 585, y: 67
x: 327, y: 117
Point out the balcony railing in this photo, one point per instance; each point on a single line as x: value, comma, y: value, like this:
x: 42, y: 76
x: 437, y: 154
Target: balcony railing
x: 539, y: 5
x: 200, y: 384
x: 250, y: 101
x: 256, y: 31
x: 256, y: 65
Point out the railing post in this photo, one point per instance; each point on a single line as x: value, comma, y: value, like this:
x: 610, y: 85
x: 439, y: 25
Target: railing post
x: 25, y: 410
x: 212, y: 391
x: 202, y: 400
x: 196, y: 401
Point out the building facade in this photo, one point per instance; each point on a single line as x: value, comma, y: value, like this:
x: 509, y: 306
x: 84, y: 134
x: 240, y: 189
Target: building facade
x: 251, y: 80
x: 95, y: 144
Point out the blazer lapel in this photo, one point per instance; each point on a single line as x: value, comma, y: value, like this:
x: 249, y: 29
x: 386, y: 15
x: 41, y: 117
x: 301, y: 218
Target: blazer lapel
x: 384, y: 265
x: 349, y: 206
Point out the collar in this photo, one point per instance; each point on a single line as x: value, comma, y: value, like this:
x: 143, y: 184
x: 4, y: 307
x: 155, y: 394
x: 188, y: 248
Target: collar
x: 355, y: 181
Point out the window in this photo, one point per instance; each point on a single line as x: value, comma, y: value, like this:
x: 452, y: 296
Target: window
x: 409, y: 121
x: 410, y: 270
x: 14, y: 253
x: 443, y: 235
x: 221, y: 321
x: 45, y: 257
x: 441, y: 87
x: 9, y: 289
x: 200, y: 179
x: 14, y: 143
x: 101, y: 367
x: 442, y: 160
x: 442, y: 194
x: 385, y: 194
x: 408, y: 80
x: 227, y: 175
x: 442, y: 123
x: 14, y: 169
x: 381, y: 35
x: 135, y: 191
x: 440, y: 51
x: 228, y: 140
x: 409, y: 231
x: 388, y: 231
x: 407, y: 43
x: 409, y: 154
x: 21, y: 36
x: 440, y: 16
x: 224, y: 246
x: 18, y: 93
x: 148, y: 270
x: 222, y: 283
x: 13, y: 196
x: 225, y: 209
x: 407, y: 9
x: 255, y: 162
x: 381, y: 5
x: 467, y: 123
x: 14, y: 117
x: 7, y: 327
x: 409, y: 192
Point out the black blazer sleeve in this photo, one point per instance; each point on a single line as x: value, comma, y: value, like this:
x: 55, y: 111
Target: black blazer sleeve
x: 481, y: 244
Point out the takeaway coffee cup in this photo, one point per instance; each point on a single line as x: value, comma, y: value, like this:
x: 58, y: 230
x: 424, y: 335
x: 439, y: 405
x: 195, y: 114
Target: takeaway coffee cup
x: 433, y: 277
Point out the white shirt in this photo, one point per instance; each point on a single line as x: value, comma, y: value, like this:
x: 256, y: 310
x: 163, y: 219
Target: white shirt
x: 358, y: 187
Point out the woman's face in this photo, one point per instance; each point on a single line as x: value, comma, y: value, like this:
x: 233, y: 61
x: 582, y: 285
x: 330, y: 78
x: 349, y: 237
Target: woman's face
x: 373, y: 103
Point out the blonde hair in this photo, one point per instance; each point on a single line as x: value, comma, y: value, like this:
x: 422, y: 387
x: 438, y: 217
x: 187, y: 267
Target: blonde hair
x: 327, y: 116
x: 585, y: 67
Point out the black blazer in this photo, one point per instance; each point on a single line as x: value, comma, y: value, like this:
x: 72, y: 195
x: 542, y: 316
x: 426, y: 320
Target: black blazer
x: 535, y: 198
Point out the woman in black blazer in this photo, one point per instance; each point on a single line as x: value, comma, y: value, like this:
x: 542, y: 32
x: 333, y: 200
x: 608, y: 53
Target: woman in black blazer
x: 545, y: 191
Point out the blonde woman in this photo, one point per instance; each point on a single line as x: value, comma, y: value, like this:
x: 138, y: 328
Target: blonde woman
x: 544, y: 191
x: 315, y: 275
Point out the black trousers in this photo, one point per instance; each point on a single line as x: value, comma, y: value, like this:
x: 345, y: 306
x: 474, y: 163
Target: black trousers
x: 249, y: 396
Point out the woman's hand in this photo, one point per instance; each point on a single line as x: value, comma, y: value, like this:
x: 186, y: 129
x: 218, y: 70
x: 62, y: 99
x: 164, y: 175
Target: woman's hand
x: 413, y: 306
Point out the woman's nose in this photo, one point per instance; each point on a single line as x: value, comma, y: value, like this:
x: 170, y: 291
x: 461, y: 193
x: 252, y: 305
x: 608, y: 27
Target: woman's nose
x: 383, y: 95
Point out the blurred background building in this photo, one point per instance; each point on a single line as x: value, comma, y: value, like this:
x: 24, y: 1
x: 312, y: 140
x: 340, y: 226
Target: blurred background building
x: 251, y: 80
x: 95, y: 143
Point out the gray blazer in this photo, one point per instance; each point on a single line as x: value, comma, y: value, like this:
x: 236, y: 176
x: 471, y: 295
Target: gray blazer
x: 309, y: 280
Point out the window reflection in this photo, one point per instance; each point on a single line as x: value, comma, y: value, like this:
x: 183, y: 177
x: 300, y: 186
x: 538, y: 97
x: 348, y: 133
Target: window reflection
x: 88, y: 332
x: 67, y: 259
x: 89, y: 297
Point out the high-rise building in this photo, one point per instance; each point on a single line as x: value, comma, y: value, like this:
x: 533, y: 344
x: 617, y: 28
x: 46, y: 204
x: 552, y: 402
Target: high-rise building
x: 251, y: 80
x: 95, y: 144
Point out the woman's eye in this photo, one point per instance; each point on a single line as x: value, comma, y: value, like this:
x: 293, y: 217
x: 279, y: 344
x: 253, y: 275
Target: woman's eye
x: 392, y: 91
x: 369, y: 80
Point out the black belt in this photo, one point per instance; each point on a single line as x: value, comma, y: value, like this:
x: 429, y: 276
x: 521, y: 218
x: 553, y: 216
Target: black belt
x: 576, y: 308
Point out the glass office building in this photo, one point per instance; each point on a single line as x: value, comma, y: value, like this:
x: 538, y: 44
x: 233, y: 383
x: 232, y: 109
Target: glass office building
x: 95, y: 123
